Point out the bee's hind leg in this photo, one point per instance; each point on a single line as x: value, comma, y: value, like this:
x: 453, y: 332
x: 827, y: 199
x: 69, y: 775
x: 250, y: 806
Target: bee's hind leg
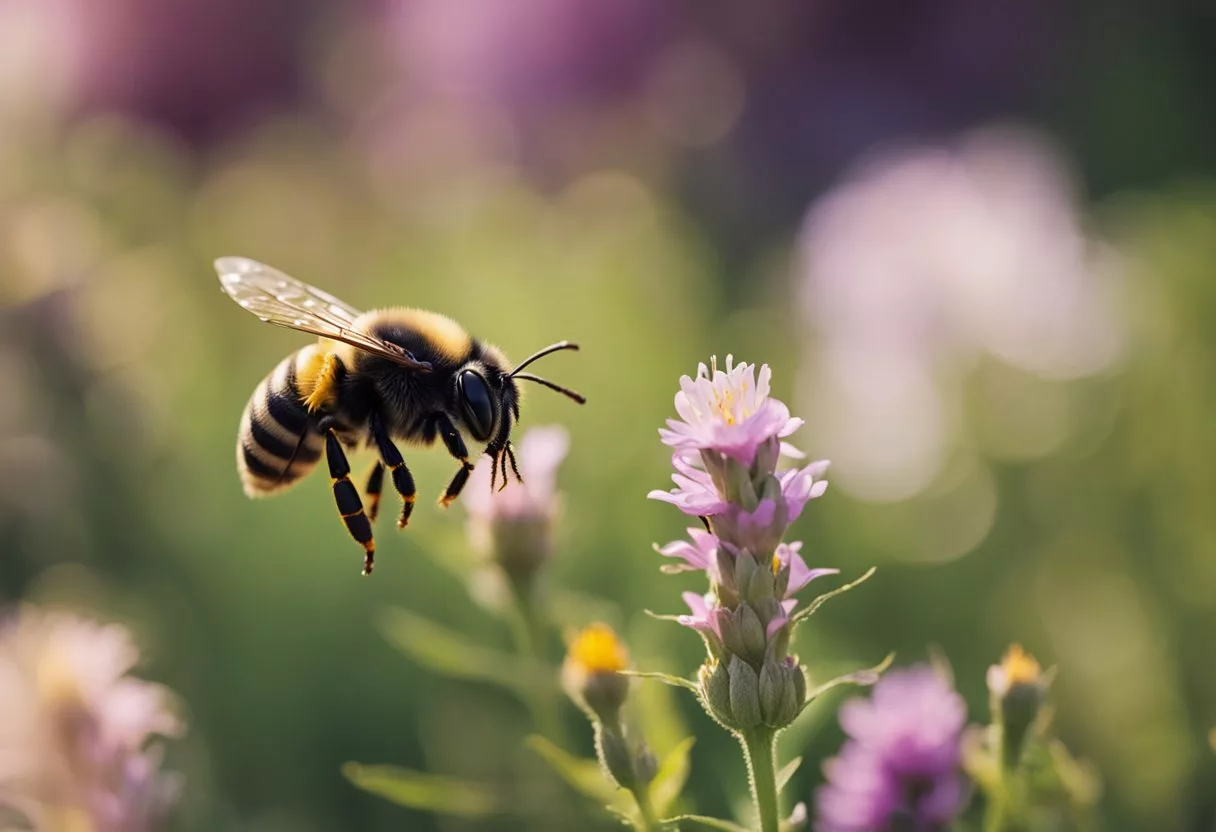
x: 403, y: 480
x: 375, y: 483
x: 347, y: 498
x: 456, y: 447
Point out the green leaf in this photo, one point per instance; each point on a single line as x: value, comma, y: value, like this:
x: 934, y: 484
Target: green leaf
x: 450, y: 654
x: 428, y: 792
x: 673, y: 774
x: 584, y: 775
x: 712, y: 823
x: 820, y: 600
x: 858, y: 677
x: 787, y: 771
x: 665, y: 678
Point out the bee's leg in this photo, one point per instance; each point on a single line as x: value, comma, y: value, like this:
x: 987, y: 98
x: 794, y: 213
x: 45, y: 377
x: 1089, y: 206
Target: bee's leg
x: 403, y: 480
x: 375, y: 482
x: 347, y: 497
x: 456, y: 447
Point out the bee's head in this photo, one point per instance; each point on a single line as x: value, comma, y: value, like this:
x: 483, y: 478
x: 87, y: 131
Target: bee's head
x: 489, y: 400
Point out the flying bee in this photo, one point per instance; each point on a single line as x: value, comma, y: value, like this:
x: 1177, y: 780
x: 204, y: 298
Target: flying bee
x: 372, y: 377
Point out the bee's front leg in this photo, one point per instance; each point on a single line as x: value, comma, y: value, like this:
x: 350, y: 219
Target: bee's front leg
x: 454, y: 442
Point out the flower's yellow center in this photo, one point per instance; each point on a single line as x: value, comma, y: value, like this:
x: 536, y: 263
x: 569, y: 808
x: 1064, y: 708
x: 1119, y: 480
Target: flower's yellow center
x: 1019, y: 666
x: 776, y: 564
x: 724, y: 403
x: 56, y: 679
x: 598, y: 650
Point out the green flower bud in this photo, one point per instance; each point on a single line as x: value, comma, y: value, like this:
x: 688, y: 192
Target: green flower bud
x: 732, y: 638
x: 765, y: 462
x: 1018, y: 691
x: 751, y: 631
x: 730, y: 478
x: 761, y: 585
x: 715, y: 691
x: 646, y: 765
x: 728, y: 589
x: 744, y: 695
x: 745, y: 567
x: 615, y: 755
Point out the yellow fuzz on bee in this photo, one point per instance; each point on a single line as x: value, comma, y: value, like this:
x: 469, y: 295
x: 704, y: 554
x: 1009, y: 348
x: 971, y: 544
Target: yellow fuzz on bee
x: 318, y: 373
x: 597, y: 650
x: 1019, y: 666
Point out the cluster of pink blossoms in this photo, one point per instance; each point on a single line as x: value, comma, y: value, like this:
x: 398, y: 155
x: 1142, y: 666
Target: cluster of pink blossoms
x: 727, y: 444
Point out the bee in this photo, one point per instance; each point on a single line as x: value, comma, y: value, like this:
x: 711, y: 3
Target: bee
x: 401, y: 374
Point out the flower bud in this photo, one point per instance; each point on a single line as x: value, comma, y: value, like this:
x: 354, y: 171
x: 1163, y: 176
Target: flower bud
x: 615, y: 755
x: 1018, y: 691
x: 591, y: 673
x: 751, y: 633
x: 715, y: 691
x: 514, y: 525
x: 765, y: 463
x: 744, y: 695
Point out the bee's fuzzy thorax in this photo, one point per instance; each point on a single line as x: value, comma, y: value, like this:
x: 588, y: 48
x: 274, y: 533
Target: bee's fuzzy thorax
x: 445, y: 336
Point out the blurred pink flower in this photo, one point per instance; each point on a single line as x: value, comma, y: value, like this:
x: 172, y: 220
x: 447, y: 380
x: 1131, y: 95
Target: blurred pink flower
x: 514, y: 524
x: 925, y: 260
x: 74, y: 738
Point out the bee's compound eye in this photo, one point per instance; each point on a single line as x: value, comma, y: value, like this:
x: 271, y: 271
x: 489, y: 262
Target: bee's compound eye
x: 477, y: 403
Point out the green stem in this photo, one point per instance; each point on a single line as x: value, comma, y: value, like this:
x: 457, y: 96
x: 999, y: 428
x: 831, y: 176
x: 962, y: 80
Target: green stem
x: 528, y: 630
x: 650, y: 820
x: 758, y: 750
x: 994, y: 820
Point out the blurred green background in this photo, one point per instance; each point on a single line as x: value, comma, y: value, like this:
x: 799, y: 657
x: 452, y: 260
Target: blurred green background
x: 660, y: 182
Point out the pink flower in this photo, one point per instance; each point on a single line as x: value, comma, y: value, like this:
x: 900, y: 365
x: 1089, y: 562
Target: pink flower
x: 74, y: 738
x: 800, y: 573
x: 902, y: 758
x: 729, y: 412
x: 695, y: 493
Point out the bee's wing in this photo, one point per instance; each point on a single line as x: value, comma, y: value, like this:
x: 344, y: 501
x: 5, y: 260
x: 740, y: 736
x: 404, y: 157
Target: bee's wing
x: 278, y: 298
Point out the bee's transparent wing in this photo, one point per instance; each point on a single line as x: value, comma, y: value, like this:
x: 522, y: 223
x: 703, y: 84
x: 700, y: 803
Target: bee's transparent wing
x: 280, y: 299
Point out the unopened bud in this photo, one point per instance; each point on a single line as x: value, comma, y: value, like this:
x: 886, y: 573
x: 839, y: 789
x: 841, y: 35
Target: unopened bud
x: 715, y: 692
x: 615, y: 755
x: 751, y: 633
x: 765, y: 462
x: 779, y: 698
x: 1018, y: 691
x: 744, y: 695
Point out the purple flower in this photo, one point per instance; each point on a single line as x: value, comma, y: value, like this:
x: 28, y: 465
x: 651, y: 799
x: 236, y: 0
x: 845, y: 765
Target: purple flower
x: 514, y: 524
x: 800, y: 573
x: 706, y: 614
x: 695, y: 493
x: 729, y: 412
x: 74, y: 738
x: 900, y: 767
x: 699, y: 555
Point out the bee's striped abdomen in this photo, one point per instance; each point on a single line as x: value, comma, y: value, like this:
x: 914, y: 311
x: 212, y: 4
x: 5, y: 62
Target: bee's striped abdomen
x: 274, y: 425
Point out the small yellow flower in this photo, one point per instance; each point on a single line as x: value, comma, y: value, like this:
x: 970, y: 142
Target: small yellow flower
x: 592, y: 672
x: 1019, y: 666
x: 597, y: 650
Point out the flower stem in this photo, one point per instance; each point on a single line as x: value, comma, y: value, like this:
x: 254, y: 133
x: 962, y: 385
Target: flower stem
x: 529, y: 633
x: 758, y: 750
x: 650, y: 820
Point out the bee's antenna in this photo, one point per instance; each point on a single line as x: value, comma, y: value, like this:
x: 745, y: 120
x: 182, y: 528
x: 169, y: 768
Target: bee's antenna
x: 565, y: 391
x: 560, y: 345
